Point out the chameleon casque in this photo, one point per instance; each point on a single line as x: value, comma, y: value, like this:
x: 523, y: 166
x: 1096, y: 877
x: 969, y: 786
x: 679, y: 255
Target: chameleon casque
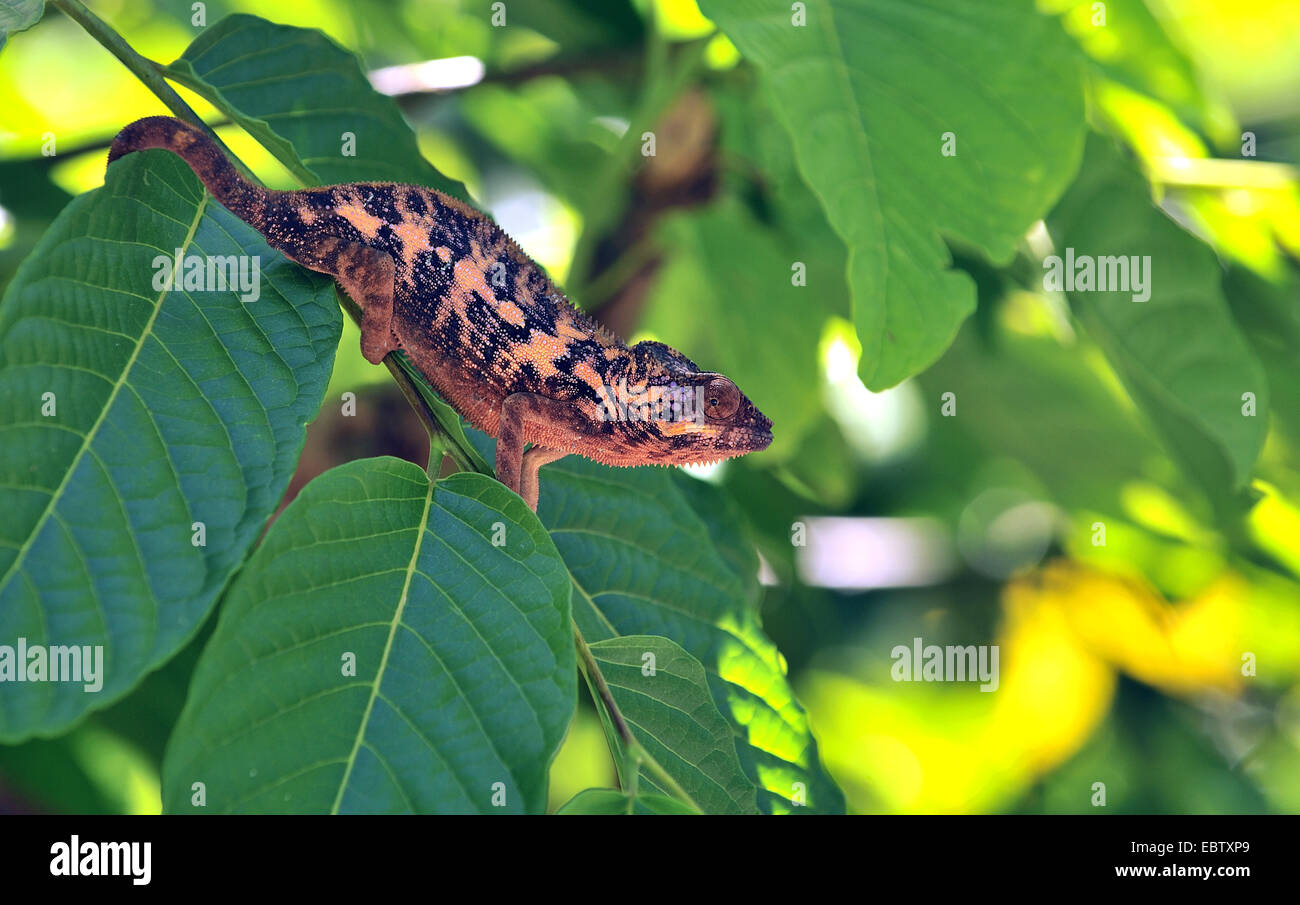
x: 443, y: 284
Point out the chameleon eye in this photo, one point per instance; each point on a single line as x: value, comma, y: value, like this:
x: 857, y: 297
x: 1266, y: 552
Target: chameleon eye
x: 721, y: 398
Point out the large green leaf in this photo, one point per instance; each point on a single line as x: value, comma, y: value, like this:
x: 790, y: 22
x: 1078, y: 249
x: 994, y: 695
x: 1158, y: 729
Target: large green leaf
x: 1180, y: 354
x: 663, y: 694
x: 299, y: 94
x: 465, y: 675
x: 867, y: 89
x: 169, y: 408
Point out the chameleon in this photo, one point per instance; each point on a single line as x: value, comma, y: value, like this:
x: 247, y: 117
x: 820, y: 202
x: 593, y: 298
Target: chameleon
x: 440, y: 282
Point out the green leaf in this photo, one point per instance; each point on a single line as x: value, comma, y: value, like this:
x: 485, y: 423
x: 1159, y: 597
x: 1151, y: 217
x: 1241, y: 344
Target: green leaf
x: 18, y: 15
x: 613, y: 801
x: 465, y: 674
x: 130, y: 413
x: 648, y: 557
x: 644, y: 561
x: 300, y: 95
x: 1270, y: 320
x: 1180, y: 354
x: 867, y: 89
x: 728, y: 529
x: 663, y: 694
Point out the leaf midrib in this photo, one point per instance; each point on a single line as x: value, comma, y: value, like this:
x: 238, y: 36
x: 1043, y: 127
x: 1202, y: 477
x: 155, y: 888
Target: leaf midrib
x: 388, y: 646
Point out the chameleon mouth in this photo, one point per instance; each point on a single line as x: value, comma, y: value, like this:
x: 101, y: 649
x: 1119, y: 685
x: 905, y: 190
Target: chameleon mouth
x: 760, y: 433
x: 748, y: 439
x: 739, y: 441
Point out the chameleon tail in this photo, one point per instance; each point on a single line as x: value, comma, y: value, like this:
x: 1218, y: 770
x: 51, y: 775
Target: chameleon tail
x: 241, y: 197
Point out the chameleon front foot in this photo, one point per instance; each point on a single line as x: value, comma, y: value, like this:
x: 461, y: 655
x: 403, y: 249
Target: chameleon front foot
x: 522, y: 413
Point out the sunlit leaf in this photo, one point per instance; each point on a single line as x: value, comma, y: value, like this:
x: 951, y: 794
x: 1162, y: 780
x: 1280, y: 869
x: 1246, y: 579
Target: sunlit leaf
x: 663, y: 694
x: 642, y: 562
x: 1128, y: 43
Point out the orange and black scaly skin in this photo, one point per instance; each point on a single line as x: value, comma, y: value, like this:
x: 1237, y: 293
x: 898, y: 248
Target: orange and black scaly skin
x: 441, y: 282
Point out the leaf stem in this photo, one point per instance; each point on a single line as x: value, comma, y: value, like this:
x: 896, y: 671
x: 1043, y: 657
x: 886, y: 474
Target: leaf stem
x: 438, y: 444
x: 438, y: 433
x: 634, y: 750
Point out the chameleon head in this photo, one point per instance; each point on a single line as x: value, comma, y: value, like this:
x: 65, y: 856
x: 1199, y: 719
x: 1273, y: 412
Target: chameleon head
x: 724, y: 423
x: 685, y: 415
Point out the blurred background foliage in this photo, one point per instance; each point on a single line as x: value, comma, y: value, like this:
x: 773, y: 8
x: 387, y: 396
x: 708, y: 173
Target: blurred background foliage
x: 1122, y: 661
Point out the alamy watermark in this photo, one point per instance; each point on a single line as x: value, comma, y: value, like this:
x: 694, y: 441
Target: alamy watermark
x: 204, y: 273
x: 1105, y: 273
x: 75, y: 858
x: 82, y: 663
x: 653, y: 403
x: 953, y: 663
